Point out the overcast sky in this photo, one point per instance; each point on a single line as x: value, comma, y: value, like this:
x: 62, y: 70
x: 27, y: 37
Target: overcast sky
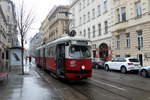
x: 41, y: 8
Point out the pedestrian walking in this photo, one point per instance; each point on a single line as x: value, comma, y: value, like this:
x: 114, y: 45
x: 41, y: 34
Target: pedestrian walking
x: 30, y: 59
x: 26, y: 59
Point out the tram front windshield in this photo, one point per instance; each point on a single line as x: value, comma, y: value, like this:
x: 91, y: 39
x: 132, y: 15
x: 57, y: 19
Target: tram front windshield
x: 77, y: 51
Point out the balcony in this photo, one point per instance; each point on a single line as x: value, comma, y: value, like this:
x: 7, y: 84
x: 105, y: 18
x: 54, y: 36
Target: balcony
x: 121, y: 26
x: 56, y: 18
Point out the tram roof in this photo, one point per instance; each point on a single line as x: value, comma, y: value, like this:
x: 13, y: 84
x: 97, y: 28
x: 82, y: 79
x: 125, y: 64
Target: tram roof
x: 68, y: 38
x: 64, y: 39
x: 41, y: 46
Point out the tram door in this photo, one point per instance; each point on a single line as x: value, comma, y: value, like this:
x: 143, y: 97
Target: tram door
x: 60, y: 49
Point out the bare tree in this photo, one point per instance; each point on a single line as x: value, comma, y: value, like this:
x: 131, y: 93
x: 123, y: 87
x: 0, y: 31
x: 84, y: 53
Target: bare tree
x: 24, y: 22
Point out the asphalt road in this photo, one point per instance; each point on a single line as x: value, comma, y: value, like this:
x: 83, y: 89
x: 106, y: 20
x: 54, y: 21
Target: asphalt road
x: 103, y: 85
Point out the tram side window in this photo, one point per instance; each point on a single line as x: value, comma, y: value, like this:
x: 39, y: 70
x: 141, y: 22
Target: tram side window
x: 47, y: 51
x: 51, y: 51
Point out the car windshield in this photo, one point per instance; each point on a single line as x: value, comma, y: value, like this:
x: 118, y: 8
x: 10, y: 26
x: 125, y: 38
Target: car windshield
x: 80, y: 51
x: 133, y: 60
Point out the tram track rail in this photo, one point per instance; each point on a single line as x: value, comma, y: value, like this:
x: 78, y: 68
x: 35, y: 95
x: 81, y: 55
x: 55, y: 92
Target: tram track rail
x: 111, y: 91
x: 91, y: 83
x: 47, y: 80
x: 124, y: 85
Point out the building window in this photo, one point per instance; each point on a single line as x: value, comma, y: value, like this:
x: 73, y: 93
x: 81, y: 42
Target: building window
x: 138, y: 9
x: 99, y: 29
x: 98, y: 10
x: 121, y: 14
x: 106, y: 26
x: 93, y: 31
x: 8, y: 8
x: 80, y: 6
x: 93, y: 13
x: 128, y: 55
x: 72, y: 20
x: 139, y: 38
x: 118, y: 41
x: 93, y: 0
x: 118, y: 14
x: 89, y: 33
x: 128, y: 40
x: 88, y: 16
x: 105, y: 6
x: 80, y: 21
x: 84, y: 19
x: 88, y: 2
x: 84, y: 3
x: 80, y: 32
x: 84, y: 32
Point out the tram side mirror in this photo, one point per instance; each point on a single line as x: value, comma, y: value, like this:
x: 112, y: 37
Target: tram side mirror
x: 72, y: 33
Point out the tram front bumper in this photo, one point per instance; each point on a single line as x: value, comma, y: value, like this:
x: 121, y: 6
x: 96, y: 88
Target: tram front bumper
x: 70, y: 74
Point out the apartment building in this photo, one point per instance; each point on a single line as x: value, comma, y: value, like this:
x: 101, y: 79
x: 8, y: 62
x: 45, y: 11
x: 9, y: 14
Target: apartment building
x: 131, y: 29
x: 92, y: 19
x: 3, y: 39
x: 35, y: 43
x: 55, y: 24
x: 9, y: 13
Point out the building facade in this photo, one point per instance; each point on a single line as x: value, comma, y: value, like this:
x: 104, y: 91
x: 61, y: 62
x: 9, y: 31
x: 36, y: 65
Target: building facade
x: 131, y: 29
x: 55, y: 24
x: 92, y: 19
x: 35, y: 43
x: 8, y: 31
x: 3, y: 40
x: 10, y: 15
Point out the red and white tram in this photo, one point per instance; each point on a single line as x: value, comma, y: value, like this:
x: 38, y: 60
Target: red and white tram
x: 67, y: 57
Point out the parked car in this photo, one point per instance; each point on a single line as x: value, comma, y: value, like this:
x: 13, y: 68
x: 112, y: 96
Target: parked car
x: 123, y: 64
x: 98, y: 62
x: 145, y: 71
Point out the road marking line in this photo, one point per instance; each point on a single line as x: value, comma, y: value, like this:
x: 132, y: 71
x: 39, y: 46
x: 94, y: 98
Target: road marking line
x: 109, y: 85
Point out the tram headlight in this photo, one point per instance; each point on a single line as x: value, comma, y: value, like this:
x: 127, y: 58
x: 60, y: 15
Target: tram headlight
x: 83, y: 67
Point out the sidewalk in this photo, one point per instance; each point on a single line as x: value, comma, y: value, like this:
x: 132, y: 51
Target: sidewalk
x: 27, y: 87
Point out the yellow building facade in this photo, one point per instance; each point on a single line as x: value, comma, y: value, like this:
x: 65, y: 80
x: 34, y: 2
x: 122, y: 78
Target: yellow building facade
x: 131, y: 29
x: 55, y: 24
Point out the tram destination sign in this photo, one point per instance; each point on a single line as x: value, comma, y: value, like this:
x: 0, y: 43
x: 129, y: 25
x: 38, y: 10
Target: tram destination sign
x: 79, y: 42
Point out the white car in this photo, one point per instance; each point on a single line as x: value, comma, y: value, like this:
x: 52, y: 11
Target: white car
x: 123, y: 64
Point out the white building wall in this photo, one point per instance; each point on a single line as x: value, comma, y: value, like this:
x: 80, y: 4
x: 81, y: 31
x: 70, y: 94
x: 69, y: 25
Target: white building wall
x: 98, y: 19
x: 79, y: 25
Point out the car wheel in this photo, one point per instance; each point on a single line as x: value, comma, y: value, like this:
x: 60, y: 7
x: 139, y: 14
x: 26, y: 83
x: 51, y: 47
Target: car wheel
x: 107, y: 68
x: 96, y: 66
x: 144, y: 73
x: 123, y: 70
